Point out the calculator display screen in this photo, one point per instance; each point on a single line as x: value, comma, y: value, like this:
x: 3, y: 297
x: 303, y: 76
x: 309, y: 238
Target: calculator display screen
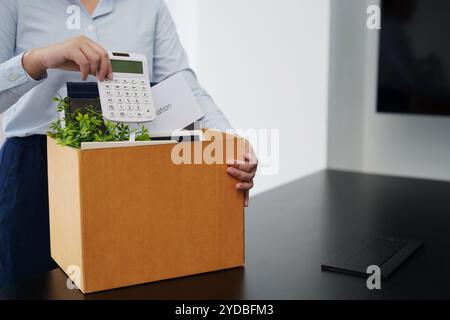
x: 121, y: 66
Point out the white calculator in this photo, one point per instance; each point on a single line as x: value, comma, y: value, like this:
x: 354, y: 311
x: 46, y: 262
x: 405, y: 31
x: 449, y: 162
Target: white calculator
x: 128, y: 96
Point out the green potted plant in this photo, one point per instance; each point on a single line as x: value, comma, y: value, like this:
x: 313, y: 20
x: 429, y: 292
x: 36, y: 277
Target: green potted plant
x: 86, y: 124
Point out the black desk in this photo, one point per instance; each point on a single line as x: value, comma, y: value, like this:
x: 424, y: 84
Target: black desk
x: 293, y: 229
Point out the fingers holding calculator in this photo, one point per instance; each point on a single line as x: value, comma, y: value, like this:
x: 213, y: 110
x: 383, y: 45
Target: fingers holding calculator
x: 76, y: 54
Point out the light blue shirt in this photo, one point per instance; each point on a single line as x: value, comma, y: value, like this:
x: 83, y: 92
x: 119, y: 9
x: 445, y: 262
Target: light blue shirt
x: 142, y: 26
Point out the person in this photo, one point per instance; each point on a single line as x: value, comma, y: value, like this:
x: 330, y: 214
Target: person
x: 43, y: 45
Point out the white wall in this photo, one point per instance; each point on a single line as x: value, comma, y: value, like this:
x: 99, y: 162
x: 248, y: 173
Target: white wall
x: 265, y: 62
x: 186, y: 14
x: 359, y: 138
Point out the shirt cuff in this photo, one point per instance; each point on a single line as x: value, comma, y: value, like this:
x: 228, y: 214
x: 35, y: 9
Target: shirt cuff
x: 15, y: 78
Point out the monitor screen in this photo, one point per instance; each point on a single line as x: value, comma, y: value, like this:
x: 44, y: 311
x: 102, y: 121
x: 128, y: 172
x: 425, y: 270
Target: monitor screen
x: 414, y: 57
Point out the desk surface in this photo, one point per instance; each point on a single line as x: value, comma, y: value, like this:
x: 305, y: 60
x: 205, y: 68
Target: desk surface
x: 290, y: 231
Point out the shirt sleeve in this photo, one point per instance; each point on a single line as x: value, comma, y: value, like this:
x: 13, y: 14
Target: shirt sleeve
x: 170, y: 58
x: 14, y: 80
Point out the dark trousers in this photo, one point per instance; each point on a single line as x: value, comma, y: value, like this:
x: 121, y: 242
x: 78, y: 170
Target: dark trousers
x: 24, y: 218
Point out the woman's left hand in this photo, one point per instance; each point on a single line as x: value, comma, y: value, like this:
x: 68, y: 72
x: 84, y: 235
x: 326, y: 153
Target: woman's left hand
x: 244, y: 171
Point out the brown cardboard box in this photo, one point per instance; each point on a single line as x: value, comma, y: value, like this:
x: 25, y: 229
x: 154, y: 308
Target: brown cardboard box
x: 128, y: 216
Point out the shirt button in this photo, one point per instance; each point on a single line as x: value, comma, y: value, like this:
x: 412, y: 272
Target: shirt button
x: 91, y: 27
x: 13, y: 76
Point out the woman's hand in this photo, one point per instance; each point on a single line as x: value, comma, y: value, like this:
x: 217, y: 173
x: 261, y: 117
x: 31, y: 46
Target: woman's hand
x: 244, y: 171
x: 77, y: 54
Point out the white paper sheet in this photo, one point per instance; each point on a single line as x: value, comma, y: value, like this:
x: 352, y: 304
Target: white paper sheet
x: 175, y: 104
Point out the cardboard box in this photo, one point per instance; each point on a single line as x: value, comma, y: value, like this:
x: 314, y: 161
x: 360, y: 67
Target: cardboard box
x: 128, y: 216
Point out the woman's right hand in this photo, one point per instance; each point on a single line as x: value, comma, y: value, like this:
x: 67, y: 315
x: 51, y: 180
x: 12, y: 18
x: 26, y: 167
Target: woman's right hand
x: 77, y: 54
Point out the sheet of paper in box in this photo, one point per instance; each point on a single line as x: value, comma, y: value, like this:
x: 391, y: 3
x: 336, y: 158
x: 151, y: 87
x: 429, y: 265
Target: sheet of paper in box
x: 175, y: 104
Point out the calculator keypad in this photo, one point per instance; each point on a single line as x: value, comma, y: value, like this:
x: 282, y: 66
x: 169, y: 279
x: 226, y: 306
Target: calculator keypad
x: 127, y: 100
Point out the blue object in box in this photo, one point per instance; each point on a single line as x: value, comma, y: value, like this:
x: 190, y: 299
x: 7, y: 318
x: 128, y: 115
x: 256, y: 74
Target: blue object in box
x: 82, y: 90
